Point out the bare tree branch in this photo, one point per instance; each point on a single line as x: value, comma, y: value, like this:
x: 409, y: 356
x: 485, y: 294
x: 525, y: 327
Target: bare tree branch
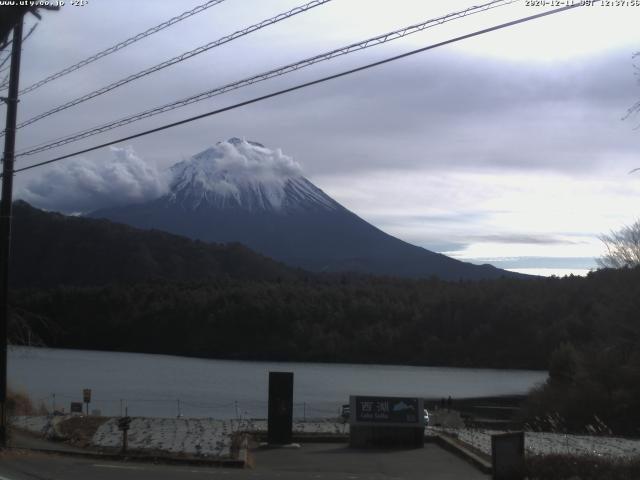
x: 21, y: 331
x: 31, y: 30
x: 623, y: 248
x: 5, y: 81
x: 635, y: 108
x: 6, y: 44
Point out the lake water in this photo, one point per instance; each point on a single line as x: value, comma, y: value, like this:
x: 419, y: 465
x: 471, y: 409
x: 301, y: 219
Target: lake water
x: 164, y: 386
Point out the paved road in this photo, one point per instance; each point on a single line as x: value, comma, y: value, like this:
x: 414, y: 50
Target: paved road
x: 311, y: 461
x: 21, y: 439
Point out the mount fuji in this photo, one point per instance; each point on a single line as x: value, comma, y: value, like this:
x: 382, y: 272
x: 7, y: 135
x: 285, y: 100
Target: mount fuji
x: 241, y: 191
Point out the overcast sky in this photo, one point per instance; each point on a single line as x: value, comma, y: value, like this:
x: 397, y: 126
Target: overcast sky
x: 507, y: 148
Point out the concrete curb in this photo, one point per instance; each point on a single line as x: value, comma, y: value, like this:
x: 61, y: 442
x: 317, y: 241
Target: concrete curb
x: 241, y: 462
x: 243, y: 452
x: 308, y: 437
x: 455, y: 446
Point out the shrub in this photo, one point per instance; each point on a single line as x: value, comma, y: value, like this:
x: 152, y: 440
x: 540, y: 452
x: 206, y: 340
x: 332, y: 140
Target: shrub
x: 582, y: 467
x: 19, y: 403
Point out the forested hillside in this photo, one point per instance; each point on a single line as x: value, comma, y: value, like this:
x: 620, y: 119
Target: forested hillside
x: 500, y: 323
x: 50, y: 249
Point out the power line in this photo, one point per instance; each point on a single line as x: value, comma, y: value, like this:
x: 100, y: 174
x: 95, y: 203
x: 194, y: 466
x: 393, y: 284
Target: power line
x: 5, y: 82
x: 177, y: 59
x: 121, y: 45
x: 380, y: 39
x: 304, y: 85
x: 3, y: 61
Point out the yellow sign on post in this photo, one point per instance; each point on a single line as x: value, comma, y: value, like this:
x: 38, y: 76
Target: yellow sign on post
x: 86, y: 398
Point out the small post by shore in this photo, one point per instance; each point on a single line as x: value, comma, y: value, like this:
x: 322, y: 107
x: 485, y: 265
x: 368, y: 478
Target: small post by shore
x: 123, y: 424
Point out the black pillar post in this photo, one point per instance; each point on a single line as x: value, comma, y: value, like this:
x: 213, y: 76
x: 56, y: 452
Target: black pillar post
x: 280, y: 423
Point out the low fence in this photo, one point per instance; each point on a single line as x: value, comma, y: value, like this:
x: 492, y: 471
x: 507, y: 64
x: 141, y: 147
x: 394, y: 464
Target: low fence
x: 177, y: 407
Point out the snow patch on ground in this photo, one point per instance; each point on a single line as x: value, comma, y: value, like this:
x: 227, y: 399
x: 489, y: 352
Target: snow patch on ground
x: 212, y: 438
x: 204, y: 437
x: 545, y: 443
x: 195, y: 436
x: 40, y: 425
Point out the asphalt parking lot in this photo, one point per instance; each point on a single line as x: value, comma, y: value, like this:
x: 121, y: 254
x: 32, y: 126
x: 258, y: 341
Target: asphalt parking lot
x: 310, y: 461
x: 338, y: 461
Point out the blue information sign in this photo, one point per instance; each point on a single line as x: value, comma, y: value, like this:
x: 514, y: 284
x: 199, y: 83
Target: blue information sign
x: 387, y: 410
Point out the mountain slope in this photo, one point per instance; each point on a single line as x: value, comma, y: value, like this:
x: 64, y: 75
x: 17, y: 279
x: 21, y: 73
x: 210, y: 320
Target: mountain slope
x: 240, y: 191
x: 50, y: 249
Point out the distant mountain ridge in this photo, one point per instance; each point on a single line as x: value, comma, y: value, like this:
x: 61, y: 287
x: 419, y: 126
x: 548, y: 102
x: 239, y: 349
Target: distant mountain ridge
x: 239, y: 191
x: 50, y: 250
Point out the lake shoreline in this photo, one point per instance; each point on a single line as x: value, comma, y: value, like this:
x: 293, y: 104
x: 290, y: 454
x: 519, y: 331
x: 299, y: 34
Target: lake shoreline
x: 167, y: 386
x: 283, y: 362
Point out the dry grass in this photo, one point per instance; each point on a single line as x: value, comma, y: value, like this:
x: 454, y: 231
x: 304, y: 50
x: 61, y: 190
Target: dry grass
x: 79, y: 431
x: 19, y: 403
x: 581, y: 467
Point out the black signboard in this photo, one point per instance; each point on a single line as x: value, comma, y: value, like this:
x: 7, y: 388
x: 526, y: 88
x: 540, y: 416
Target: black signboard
x: 76, y: 407
x: 280, y: 422
x: 387, y: 410
x: 124, y: 423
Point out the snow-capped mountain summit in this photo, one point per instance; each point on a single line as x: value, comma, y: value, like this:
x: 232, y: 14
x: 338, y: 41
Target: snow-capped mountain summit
x: 244, y: 175
x: 240, y: 191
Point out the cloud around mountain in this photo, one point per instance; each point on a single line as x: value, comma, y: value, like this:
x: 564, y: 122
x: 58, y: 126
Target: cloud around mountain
x: 83, y: 185
x: 253, y: 160
x: 124, y: 177
x: 235, y: 172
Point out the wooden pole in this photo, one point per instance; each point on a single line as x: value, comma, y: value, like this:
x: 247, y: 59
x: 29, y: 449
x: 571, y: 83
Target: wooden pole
x: 5, y: 218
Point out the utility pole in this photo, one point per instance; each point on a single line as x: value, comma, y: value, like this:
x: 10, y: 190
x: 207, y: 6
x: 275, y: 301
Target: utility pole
x: 5, y: 218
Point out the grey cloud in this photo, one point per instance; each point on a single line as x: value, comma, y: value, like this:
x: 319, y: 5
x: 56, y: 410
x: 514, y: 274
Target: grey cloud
x: 486, y: 117
x: 537, y: 262
x: 441, y: 112
x: 438, y: 110
x: 442, y: 246
x: 514, y: 238
x: 399, y: 218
